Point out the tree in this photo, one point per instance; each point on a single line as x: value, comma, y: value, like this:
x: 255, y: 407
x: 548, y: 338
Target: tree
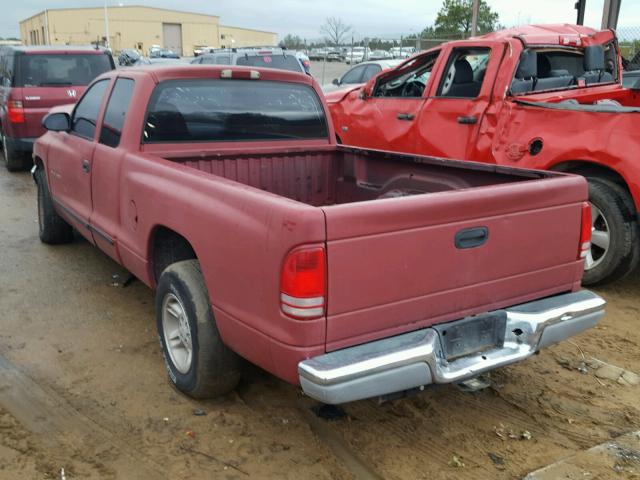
x: 292, y: 42
x: 454, y: 17
x: 335, y: 30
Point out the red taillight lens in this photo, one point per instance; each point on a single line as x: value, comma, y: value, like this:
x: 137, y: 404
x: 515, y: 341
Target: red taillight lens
x: 303, y: 283
x: 15, y: 112
x: 585, y: 231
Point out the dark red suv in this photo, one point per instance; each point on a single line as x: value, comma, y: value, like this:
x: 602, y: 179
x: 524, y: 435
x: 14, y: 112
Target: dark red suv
x: 34, y: 79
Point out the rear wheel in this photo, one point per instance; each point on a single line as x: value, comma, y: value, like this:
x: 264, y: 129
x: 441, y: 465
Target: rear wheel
x: 614, y: 233
x: 12, y: 159
x: 53, y: 229
x: 198, y: 362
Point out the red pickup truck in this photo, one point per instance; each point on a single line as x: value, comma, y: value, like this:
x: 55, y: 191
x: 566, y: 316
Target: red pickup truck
x: 544, y: 97
x: 355, y: 273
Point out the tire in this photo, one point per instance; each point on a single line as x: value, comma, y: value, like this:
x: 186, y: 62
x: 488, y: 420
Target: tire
x: 211, y: 368
x: 12, y: 160
x: 618, y: 218
x: 53, y: 229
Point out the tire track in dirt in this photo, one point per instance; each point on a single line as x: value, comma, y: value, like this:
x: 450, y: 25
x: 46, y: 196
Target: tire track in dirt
x: 60, y: 426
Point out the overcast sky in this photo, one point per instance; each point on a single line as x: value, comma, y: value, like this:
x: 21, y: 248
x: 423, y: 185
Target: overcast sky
x: 368, y: 17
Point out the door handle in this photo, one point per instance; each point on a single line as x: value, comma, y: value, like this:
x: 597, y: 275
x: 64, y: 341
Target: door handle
x: 471, y: 237
x: 468, y: 120
x: 406, y: 116
x: 86, y: 166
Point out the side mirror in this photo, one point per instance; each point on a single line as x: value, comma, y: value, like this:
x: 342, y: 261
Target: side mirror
x: 335, y: 81
x: 57, y: 122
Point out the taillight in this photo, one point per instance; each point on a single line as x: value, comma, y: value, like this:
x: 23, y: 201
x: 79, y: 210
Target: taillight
x: 303, y: 283
x: 585, y: 231
x: 15, y: 112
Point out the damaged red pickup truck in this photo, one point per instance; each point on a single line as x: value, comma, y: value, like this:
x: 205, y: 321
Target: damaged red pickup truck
x: 355, y: 273
x: 544, y: 97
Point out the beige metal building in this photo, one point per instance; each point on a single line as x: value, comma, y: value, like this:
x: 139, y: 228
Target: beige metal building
x: 137, y: 27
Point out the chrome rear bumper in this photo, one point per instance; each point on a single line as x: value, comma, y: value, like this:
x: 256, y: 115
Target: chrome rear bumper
x: 416, y: 359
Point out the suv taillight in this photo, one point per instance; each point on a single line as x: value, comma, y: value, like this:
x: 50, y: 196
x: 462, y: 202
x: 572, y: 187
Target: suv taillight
x: 303, y: 283
x: 585, y: 231
x: 15, y: 112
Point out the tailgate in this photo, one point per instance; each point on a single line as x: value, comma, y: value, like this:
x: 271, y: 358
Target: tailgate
x: 394, y: 266
x: 37, y: 102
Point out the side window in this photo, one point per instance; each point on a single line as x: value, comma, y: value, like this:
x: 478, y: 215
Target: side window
x: 464, y: 73
x: 410, y: 80
x: 371, y: 71
x: 223, y: 60
x: 354, y: 75
x: 86, y: 113
x: 116, y: 111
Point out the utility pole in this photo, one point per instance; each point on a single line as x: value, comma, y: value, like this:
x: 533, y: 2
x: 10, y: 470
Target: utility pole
x: 474, y: 17
x: 106, y: 24
x: 581, y: 5
x: 610, y: 13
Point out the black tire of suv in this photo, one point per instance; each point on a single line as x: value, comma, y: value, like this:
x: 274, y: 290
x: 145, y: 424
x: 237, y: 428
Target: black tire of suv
x: 624, y: 250
x: 12, y: 159
x: 215, y: 369
x: 53, y: 229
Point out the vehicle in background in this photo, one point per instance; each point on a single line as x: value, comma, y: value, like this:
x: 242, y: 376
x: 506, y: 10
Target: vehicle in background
x: 34, y: 79
x: 354, y: 273
x: 318, y: 53
x: 360, y: 74
x: 402, y: 52
x: 128, y: 57
x: 304, y: 61
x: 380, y: 55
x: 334, y: 56
x: 544, y: 97
x: 357, y: 55
x: 631, y: 79
x: 153, y: 49
x: 164, y: 53
x: 271, y: 58
x: 200, y: 49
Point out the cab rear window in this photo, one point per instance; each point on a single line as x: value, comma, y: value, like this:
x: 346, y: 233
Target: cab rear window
x: 233, y: 110
x: 52, y: 70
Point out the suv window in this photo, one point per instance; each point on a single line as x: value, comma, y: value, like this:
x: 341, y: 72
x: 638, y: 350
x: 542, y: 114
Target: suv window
x: 86, y: 112
x: 116, y: 111
x: 464, y: 73
x: 283, y: 62
x: 232, y: 110
x: 43, y: 70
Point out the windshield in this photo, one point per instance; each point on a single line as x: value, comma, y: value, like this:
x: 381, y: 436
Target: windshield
x: 233, y: 110
x: 283, y: 62
x: 43, y: 70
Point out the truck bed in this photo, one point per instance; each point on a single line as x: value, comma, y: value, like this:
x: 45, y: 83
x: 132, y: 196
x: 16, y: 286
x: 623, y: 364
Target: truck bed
x: 334, y: 176
x: 396, y: 264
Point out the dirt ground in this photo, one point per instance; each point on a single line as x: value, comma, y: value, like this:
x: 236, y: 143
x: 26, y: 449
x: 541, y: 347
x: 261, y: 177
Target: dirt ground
x: 84, y: 393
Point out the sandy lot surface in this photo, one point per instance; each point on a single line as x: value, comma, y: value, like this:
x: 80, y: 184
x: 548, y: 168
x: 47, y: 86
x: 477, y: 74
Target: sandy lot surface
x: 83, y: 388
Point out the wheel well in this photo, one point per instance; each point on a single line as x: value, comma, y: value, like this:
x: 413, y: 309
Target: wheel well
x: 168, y: 247
x: 588, y: 169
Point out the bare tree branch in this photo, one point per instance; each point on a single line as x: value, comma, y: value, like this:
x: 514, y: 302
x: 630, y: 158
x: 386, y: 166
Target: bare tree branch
x: 335, y: 30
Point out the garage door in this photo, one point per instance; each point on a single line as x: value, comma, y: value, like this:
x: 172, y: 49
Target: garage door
x: 172, y: 37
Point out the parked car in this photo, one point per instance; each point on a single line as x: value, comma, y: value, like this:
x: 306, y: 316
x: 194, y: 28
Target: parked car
x: 334, y: 56
x: 128, y: 57
x: 304, y: 60
x: 360, y: 74
x: 380, y: 55
x: 200, y: 49
x: 164, y: 53
x: 268, y: 58
x: 355, y: 273
x: 552, y: 102
x: 631, y: 79
x: 402, y: 52
x: 34, y: 79
x: 357, y: 55
x: 318, y: 53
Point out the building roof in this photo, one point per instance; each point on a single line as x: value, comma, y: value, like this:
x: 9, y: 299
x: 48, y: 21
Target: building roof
x: 118, y: 7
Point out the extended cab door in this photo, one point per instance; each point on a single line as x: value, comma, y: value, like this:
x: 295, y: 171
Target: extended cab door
x: 450, y: 121
x: 386, y: 117
x: 70, y: 157
x: 106, y: 169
